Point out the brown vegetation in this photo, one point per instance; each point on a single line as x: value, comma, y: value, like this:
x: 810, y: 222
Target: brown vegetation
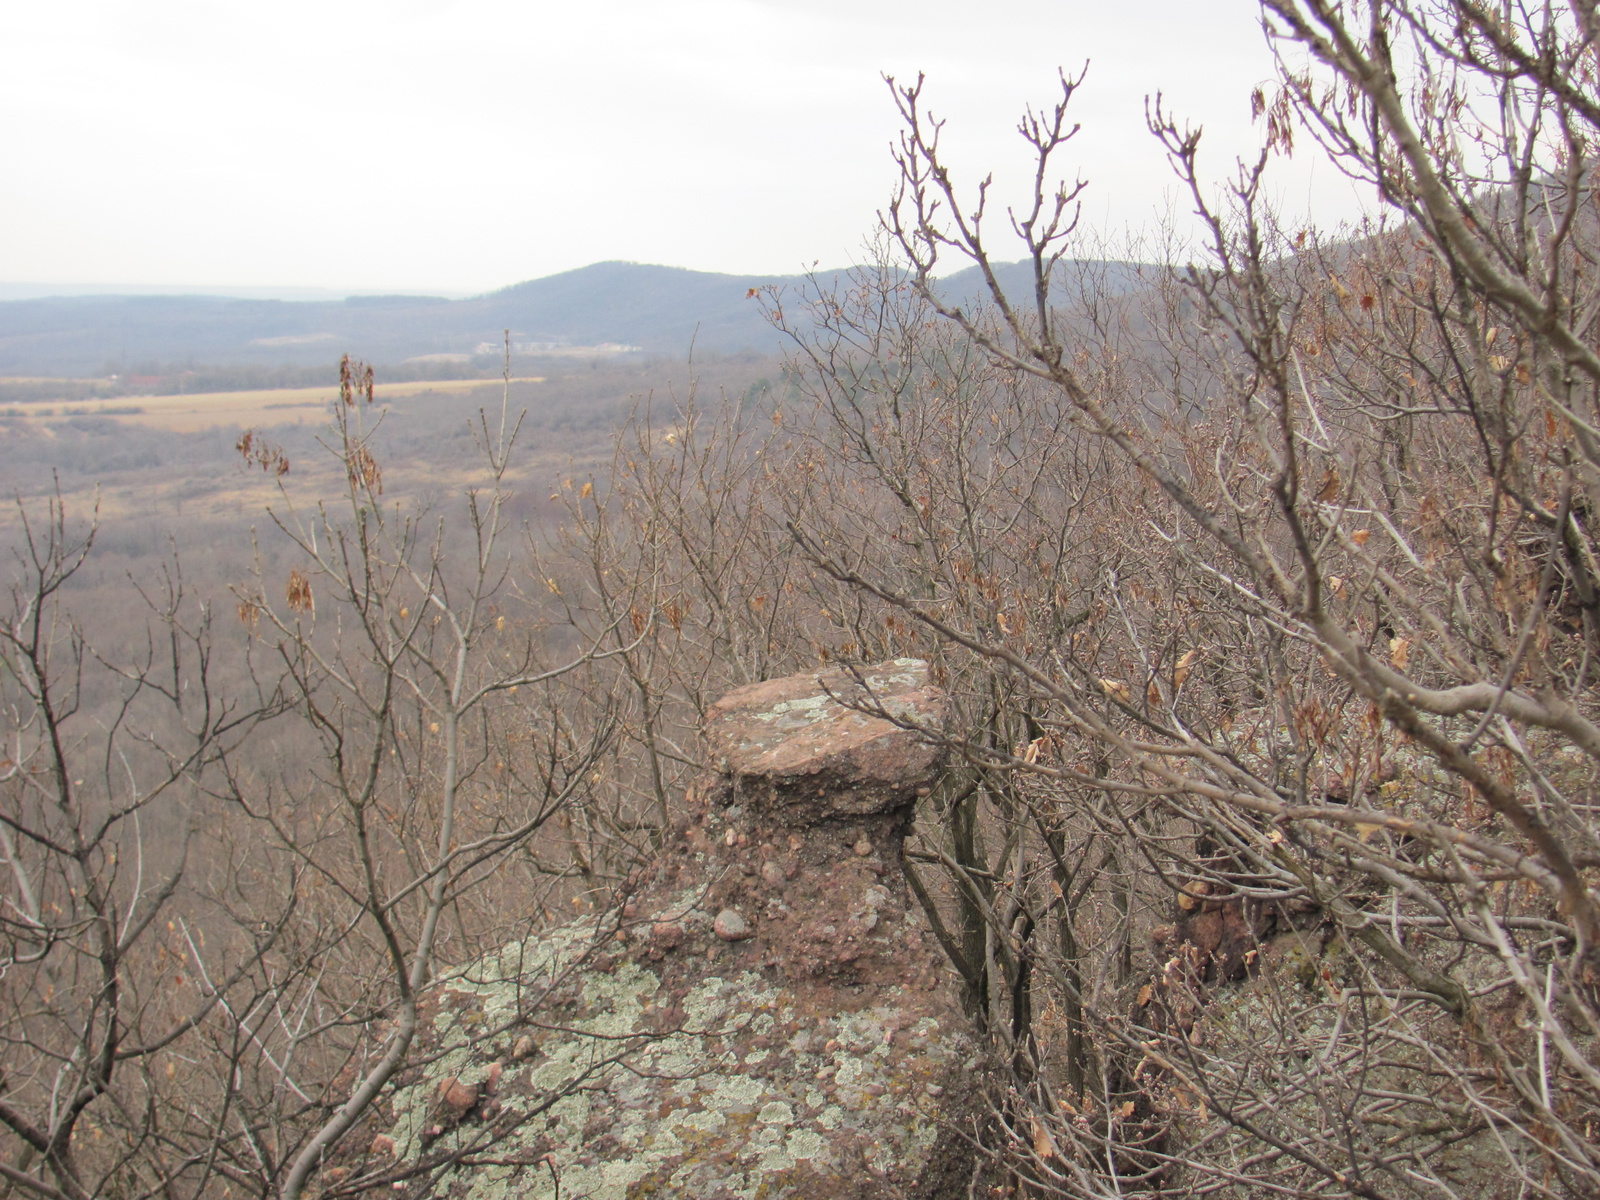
x: 1265, y: 595
x: 240, y: 841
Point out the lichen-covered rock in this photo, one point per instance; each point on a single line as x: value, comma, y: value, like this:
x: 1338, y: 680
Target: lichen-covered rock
x: 768, y: 1020
x: 839, y: 742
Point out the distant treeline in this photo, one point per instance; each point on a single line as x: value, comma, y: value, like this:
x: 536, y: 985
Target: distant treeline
x: 664, y: 310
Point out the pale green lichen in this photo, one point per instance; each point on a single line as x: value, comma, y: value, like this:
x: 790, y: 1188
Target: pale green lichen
x: 805, y: 1144
x: 808, y: 708
x: 693, y: 1110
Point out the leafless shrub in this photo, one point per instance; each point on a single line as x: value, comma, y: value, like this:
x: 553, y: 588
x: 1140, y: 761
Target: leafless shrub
x: 1264, y: 588
x: 215, y: 960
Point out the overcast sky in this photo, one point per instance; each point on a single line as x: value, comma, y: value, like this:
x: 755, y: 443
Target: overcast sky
x: 464, y: 145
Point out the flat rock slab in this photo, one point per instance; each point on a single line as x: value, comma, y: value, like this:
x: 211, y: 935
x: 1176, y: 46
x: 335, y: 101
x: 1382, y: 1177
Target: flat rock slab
x: 837, y: 742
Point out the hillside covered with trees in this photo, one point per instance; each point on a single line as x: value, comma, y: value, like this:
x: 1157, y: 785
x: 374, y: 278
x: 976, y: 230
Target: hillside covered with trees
x: 1263, y: 586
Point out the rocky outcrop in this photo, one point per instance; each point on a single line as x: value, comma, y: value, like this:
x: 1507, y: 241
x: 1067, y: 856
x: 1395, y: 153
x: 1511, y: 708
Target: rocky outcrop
x: 762, y: 1016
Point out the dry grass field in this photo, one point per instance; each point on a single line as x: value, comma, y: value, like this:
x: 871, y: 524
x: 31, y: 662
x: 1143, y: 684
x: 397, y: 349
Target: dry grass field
x: 151, y: 465
x: 197, y: 411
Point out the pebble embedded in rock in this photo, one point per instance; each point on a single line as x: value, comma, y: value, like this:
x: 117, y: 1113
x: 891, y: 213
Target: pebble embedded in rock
x: 863, y: 847
x: 730, y: 926
x: 524, y: 1048
x: 772, y: 874
x: 458, y: 1098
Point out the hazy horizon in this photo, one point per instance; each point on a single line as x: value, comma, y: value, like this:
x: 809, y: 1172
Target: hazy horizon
x: 457, y: 146
x: 27, y: 290
x: 23, y: 290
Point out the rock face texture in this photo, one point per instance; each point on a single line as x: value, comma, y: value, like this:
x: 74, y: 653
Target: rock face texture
x: 762, y: 1017
x: 801, y: 750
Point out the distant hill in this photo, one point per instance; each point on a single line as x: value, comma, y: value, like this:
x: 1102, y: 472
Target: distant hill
x: 657, y: 309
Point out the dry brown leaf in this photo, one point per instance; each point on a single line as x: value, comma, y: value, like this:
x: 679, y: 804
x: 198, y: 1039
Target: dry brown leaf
x: 1188, y: 898
x: 1185, y: 664
x: 1399, y: 653
x: 1146, y: 994
x: 363, y: 470
x: 1116, y: 689
x: 299, y: 592
x: 1043, y: 1146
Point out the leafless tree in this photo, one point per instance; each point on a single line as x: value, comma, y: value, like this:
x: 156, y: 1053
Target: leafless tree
x: 1345, y: 709
x: 111, y: 754
x: 1265, y: 585
x: 217, y: 951
x: 442, y: 750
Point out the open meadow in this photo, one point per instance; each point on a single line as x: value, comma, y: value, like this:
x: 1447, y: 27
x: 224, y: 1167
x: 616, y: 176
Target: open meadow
x: 161, y: 461
x: 193, y: 412
x: 166, y: 488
